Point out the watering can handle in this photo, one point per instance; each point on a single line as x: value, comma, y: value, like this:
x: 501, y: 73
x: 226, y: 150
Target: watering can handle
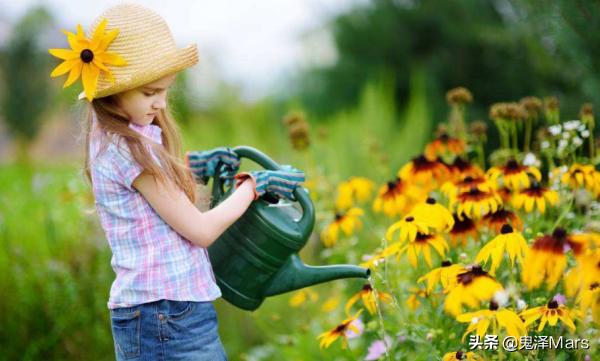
x: 308, y: 212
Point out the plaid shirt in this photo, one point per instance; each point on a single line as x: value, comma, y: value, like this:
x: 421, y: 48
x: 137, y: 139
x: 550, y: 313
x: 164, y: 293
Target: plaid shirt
x: 150, y: 259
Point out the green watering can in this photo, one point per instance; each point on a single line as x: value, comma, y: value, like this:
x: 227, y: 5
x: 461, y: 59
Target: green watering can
x: 257, y: 256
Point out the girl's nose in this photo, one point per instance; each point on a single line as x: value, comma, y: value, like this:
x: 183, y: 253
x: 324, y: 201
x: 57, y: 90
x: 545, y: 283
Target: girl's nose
x: 160, y: 103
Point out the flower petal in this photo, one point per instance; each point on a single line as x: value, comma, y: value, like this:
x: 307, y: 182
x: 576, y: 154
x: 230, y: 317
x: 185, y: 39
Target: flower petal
x: 90, y: 75
x: 65, y: 54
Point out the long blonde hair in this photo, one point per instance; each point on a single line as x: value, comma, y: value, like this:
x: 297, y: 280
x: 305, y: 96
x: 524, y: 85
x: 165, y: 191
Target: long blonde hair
x: 112, y: 120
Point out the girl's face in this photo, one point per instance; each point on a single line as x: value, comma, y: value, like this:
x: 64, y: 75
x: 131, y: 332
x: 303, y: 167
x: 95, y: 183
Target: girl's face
x: 143, y: 104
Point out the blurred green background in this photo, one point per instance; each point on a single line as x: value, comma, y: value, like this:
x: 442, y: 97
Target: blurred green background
x: 369, y: 111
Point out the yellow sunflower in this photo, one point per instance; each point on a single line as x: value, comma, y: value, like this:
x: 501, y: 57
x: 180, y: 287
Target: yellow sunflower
x: 423, y: 243
x: 444, y: 144
x: 472, y: 287
x: 496, y: 317
x: 495, y: 220
x: 446, y: 275
x: 549, y: 313
x: 476, y: 202
x: 356, y: 189
x: 368, y: 298
x: 462, y: 230
x: 589, y: 299
x: 535, y: 195
x: 413, y: 301
x: 461, y: 356
x: 425, y: 172
x: 512, y: 242
x: 513, y: 175
x: 546, y: 259
x: 87, y: 58
x: 580, y: 175
x: 348, y: 222
x: 462, y: 168
x: 328, y: 337
x: 406, y: 229
x: 452, y: 188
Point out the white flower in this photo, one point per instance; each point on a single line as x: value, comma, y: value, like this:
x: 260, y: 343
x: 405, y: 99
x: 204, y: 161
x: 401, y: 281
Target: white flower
x: 585, y: 133
x: 571, y: 124
x: 566, y: 135
x: 530, y: 160
x: 501, y: 298
x: 555, y: 129
x: 545, y: 144
x: 521, y: 305
x: 577, y: 141
x: 562, y: 143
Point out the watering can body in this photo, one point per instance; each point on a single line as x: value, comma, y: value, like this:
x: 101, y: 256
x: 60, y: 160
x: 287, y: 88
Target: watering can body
x: 258, y: 255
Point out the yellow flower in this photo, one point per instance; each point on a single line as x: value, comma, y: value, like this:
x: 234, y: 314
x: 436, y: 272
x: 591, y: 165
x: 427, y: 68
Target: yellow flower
x: 580, y: 175
x: 330, y: 304
x: 513, y: 175
x: 328, y: 337
x: 395, y: 197
x: 589, y: 299
x: 300, y: 297
x: 444, y: 144
x: 423, y: 243
x: 412, y: 301
x: 550, y: 313
x: 534, y: 195
x: 462, y: 230
x: 511, y: 242
x: 407, y: 229
x: 368, y: 297
x: 425, y: 172
x: 461, y: 168
x: 434, y: 215
x: 373, y: 261
x: 446, y: 275
x: 461, y: 356
x: 476, y: 202
x: 347, y: 222
x: 473, y: 287
x: 480, y: 321
x: 355, y: 189
x: 546, y: 259
x: 451, y: 188
x: 87, y: 58
x: 495, y: 220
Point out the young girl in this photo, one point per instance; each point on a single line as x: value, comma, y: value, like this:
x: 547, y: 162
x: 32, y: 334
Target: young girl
x: 161, y: 300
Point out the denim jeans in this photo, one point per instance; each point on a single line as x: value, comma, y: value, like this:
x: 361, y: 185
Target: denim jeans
x: 167, y: 330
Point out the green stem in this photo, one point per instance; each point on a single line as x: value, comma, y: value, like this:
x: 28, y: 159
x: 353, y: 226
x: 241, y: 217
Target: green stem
x: 528, y: 126
x: 564, y: 213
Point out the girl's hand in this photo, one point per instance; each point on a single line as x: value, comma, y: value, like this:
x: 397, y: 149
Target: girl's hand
x: 281, y: 183
x: 203, y: 164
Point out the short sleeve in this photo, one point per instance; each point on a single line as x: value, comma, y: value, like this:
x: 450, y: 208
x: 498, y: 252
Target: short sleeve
x: 118, y: 164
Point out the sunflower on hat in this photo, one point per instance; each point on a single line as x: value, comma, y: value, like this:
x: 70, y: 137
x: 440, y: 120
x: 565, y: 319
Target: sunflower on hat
x: 87, y: 58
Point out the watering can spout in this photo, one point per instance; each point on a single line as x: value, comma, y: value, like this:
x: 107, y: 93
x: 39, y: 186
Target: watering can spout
x: 295, y: 275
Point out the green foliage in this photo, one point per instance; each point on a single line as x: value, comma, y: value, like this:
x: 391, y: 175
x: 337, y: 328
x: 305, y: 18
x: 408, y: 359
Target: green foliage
x: 26, y: 69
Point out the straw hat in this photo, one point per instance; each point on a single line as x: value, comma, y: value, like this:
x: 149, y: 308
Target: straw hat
x: 146, y: 43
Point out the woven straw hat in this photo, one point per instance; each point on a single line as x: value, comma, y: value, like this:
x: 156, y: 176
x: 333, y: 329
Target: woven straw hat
x: 146, y: 43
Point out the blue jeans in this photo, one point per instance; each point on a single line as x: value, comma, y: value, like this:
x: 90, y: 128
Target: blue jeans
x: 167, y: 330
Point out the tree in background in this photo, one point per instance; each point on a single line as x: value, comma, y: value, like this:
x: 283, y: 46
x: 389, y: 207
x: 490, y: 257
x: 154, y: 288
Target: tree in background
x: 490, y: 47
x: 26, y: 79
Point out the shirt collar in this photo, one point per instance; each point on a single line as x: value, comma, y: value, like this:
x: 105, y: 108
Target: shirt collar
x: 151, y: 131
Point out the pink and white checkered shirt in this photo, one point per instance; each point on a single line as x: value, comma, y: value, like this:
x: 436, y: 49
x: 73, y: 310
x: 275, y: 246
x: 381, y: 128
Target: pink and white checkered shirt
x: 150, y: 259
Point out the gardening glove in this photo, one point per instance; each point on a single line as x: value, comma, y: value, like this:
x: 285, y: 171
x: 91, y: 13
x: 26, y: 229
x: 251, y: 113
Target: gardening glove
x: 203, y: 164
x: 280, y: 183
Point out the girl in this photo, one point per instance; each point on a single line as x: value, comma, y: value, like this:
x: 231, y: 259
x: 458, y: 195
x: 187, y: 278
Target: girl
x: 161, y: 300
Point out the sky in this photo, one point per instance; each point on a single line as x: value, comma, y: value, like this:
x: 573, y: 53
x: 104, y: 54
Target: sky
x: 252, y: 44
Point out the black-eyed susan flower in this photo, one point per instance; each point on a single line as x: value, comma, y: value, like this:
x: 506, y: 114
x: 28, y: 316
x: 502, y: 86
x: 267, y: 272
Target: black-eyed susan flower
x: 463, y: 229
x: 549, y: 313
x: 423, y: 244
x: 347, y: 222
x: 461, y: 168
x: 328, y: 337
x: 514, y: 175
x: 425, y: 172
x: 505, y: 194
x: 473, y: 287
x: 495, y: 220
x: 476, y: 202
x: 354, y: 190
x: 546, y: 259
x: 300, y: 297
x: 406, y: 229
x: 444, y: 144
x: 535, y: 195
x: 414, y: 299
x: 461, y: 356
x: 451, y: 189
x: 87, y: 58
x: 368, y: 297
x: 580, y: 176
x: 396, y: 197
x: 589, y: 300
x: 446, y: 275
x: 496, y: 317
x: 434, y: 215
x: 507, y: 241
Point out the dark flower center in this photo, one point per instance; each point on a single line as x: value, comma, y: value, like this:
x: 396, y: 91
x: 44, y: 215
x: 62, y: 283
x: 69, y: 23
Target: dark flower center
x: 553, y: 304
x: 444, y: 137
x: 86, y: 56
x: 430, y: 200
x: 459, y: 355
x: 506, y: 228
x: 494, y: 306
x: 594, y: 285
x: 468, y: 179
x: 367, y: 287
x: 338, y: 216
x: 409, y: 219
x: 512, y: 164
x: 473, y: 191
x: 446, y: 263
x: 559, y: 233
